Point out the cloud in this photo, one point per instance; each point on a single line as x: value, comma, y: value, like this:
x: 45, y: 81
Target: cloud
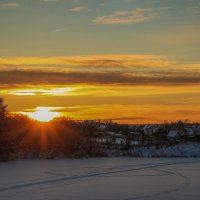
x: 98, y: 69
x: 128, y: 17
x: 93, y: 61
x: 187, y: 112
x: 48, y: 91
x: 9, y: 5
x: 126, y: 118
x: 113, y: 78
x: 79, y: 9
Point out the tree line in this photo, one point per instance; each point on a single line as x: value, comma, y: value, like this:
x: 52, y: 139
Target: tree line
x: 22, y: 137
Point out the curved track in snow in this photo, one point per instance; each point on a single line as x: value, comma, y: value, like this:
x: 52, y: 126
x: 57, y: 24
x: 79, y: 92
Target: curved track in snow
x: 76, y: 175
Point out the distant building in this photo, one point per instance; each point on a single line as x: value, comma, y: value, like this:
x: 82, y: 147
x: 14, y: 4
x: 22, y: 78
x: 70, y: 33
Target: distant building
x: 149, y: 129
x: 190, y: 133
x: 174, y: 135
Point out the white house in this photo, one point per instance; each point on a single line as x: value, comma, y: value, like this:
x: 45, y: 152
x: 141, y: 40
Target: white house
x: 174, y: 135
x: 149, y: 129
x: 102, y: 127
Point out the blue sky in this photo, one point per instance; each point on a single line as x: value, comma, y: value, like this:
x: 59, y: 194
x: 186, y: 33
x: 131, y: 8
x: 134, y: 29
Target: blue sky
x: 71, y: 27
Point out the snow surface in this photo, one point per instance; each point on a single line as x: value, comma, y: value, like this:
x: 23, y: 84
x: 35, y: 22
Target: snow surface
x: 180, y: 150
x: 101, y: 179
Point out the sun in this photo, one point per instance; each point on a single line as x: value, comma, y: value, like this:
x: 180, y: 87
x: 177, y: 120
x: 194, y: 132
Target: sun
x: 43, y: 114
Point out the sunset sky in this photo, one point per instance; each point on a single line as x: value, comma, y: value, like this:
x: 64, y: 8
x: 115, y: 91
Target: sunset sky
x: 133, y: 61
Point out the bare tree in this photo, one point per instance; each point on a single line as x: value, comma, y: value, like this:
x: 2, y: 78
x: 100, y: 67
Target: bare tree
x: 3, y: 108
x: 3, y: 114
x: 4, y: 139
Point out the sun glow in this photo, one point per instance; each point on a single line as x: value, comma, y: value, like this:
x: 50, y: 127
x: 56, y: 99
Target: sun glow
x: 43, y: 114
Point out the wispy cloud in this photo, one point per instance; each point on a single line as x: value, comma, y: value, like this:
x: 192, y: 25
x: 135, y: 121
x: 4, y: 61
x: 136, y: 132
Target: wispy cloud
x: 128, y: 17
x: 97, y: 69
x: 128, y: 60
x: 9, y: 5
x: 78, y: 9
x: 48, y: 91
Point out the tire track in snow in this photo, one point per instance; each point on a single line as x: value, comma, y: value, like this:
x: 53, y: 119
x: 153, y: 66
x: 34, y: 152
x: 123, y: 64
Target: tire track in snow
x: 186, y: 182
x: 97, y: 174
x: 161, y: 173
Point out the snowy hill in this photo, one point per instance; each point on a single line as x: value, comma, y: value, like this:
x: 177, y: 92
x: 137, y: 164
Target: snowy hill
x: 179, y: 150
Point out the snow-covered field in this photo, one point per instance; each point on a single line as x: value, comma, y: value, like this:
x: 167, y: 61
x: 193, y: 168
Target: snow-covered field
x: 101, y: 179
x: 190, y: 149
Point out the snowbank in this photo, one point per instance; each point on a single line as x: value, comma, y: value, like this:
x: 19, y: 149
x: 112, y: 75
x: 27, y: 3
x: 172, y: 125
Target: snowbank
x: 179, y: 150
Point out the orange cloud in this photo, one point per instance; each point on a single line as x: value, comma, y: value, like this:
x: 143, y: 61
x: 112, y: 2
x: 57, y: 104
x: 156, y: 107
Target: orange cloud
x: 93, y: 61
x: 128, y: 17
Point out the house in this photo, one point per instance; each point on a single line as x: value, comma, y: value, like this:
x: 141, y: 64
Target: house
x: 120, y: 141
x: 190, y: 133
x: 102, y: 127
x: 110, y: 138
x: 134, y: 143
x: 148, y: 130
x: 136, y: 136
x: 174, y: 135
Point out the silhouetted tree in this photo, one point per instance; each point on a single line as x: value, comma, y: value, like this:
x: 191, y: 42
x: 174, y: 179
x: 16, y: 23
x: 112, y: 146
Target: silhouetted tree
x: 5, y: 142
x: 89, y: 128
x: 3, y: 114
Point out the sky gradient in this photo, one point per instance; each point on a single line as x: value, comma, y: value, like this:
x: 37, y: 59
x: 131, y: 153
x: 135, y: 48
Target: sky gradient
x: 133, y: 61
